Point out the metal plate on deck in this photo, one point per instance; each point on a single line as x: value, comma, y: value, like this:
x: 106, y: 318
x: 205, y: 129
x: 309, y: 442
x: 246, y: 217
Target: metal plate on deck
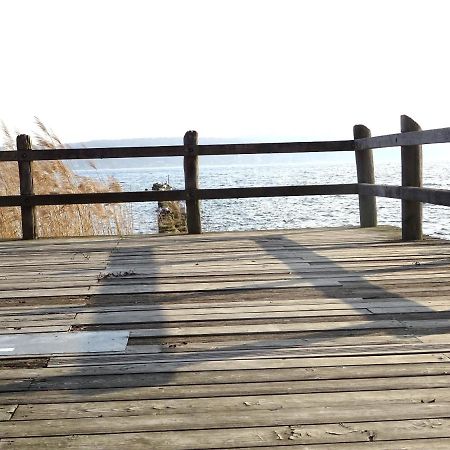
x: 62, y: 343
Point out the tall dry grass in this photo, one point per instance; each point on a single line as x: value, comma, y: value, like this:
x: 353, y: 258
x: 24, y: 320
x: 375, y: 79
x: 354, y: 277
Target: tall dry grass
x: 56, y: 177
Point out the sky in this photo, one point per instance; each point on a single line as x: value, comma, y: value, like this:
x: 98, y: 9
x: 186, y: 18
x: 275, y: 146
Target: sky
x: 280, y: 69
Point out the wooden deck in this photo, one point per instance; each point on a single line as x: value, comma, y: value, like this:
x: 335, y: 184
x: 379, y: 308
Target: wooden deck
x: 314, y: 339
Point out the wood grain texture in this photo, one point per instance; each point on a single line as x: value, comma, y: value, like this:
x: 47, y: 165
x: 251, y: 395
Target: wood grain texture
x: 366, y: 174
x: 191, y: 183
x: 411, y: 156
x: 318, y: 338
x: 436, y: 136
x: 408, y: 193
x: 28, y: 215
x: 178, y: 150
x: 154, y: 196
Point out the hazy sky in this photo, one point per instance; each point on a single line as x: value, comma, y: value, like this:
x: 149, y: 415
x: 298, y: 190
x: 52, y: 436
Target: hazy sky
x: 278, y: 69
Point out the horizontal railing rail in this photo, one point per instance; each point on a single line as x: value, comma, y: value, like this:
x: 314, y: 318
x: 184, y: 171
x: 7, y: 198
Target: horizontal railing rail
x: 437, y: 136
x: 419, y: 194
x: 411, y: 192
x: 177, y: 150
x: 160, y: 196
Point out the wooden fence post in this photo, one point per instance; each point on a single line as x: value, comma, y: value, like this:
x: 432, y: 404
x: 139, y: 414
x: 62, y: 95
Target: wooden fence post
x: 194, y: 224
x: 365, y: 173
x: 26, y: 186
x: 411, y: 176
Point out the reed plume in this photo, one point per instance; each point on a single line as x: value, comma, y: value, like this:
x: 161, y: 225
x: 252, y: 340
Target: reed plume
x: 56, y: 177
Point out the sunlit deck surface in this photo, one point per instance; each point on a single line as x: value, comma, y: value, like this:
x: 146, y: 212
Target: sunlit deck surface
x: 315, y: 339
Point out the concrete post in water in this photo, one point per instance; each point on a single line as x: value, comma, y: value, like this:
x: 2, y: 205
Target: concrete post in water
x: 365, y: 173
x: 411, y: 176
x: 194, y: 224
x: 26, y: 186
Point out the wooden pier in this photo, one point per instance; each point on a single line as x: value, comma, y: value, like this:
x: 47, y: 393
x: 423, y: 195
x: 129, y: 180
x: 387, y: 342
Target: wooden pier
x: 313, y: 339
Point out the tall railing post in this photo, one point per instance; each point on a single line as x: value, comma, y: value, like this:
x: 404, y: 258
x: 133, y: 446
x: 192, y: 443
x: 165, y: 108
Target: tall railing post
x: 365, y: 173
x: 26, y: 186
x: 193, y: 217
x: 411, y: 176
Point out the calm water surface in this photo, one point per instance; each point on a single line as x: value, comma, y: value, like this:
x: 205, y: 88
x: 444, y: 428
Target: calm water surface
x: 283, y: 212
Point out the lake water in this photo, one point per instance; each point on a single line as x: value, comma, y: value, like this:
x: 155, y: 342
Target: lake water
x: 286, y: 212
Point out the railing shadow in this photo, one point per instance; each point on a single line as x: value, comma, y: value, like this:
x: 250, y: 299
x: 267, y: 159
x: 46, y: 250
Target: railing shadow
x: 172, y: 354
x: 182, y: 353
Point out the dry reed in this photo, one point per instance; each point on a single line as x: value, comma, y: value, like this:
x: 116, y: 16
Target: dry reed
x: 56, y: 177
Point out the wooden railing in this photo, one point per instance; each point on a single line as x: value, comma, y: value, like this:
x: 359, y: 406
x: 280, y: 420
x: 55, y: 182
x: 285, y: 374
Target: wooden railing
x: 410, y: 192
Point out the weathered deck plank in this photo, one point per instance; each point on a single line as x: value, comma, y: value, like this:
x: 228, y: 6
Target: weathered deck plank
x: 329, y: 338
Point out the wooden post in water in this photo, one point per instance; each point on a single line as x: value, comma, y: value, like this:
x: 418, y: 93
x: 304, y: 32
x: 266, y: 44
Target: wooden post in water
x: 193, y: 219
x: 411, y: 176
x: 26, y: 186
x: 365, y: 173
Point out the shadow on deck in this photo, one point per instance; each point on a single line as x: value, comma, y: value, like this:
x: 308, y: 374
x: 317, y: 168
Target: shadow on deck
x: 318, y: 337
